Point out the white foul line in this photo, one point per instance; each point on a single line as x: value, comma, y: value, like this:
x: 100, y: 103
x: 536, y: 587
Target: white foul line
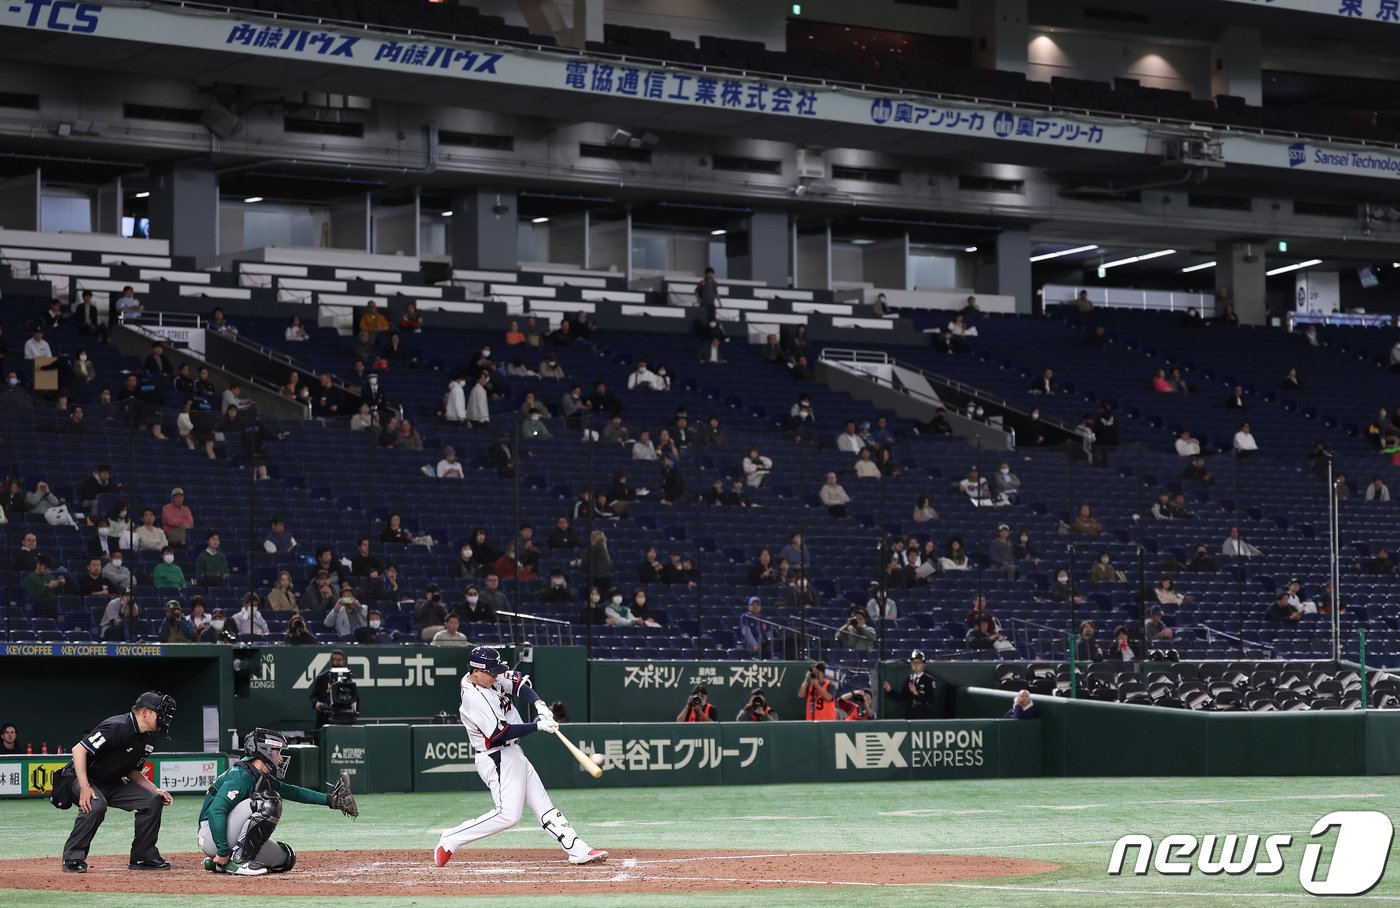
x: 1133, y: 892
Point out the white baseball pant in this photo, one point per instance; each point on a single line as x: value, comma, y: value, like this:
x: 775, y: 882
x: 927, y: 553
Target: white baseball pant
x: 514, y: 785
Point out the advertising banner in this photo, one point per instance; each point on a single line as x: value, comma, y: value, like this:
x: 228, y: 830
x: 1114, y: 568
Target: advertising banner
x: 33, y: 775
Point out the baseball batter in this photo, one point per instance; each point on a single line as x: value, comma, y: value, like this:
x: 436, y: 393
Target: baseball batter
x: 495, y: 728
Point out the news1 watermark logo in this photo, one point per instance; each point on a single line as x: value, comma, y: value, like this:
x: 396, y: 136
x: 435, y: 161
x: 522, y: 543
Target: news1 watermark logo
x: 1356, y: 865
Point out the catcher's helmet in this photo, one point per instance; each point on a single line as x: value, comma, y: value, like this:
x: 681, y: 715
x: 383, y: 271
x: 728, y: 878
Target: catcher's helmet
x: 486, y: 659
x: 163, y: 705
x: 268, y: 746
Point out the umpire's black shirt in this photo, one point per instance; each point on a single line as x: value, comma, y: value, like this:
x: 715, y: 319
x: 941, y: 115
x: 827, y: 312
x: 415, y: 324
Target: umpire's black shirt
x: 115, y: 748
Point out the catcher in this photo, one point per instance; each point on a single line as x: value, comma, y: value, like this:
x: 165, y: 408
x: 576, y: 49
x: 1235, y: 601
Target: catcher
x: 242, y: 807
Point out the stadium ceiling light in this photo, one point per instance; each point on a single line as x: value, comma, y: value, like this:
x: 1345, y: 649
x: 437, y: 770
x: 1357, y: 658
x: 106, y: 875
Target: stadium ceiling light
x: 1133, y: 260
x: 1201, y: 267
x: 720, y: 232
x: 1054, y: 255
x: 143, y: 195
x: 1298, y: 267
x: 447, y: 214
x: 970, y: 249
x: 540, y: 220
x: 253, y: 199
x: 862, y: 242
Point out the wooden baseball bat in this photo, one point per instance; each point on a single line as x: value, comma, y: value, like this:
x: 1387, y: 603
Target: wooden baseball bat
x: 584, y: 760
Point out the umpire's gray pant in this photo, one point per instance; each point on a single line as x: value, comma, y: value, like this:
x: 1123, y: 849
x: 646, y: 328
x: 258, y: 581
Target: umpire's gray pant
x: 122, y: 795
x: 271, y: 854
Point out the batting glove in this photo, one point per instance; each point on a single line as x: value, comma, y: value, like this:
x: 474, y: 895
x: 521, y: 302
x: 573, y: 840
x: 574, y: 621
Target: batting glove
x: 546, y: 723
x: 542, y: 708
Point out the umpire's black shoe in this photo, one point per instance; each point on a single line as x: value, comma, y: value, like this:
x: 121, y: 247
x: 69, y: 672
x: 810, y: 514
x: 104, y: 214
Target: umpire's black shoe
x: 158, y: 864
x: 75, y: 866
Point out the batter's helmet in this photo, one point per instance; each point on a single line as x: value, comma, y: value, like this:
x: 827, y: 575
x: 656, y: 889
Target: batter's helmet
x: 163, y: 705
x: 486, y: 659
x: 268, y: 746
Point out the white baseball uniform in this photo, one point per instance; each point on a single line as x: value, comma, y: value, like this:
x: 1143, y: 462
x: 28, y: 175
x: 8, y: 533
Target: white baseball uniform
x: 487, y: 712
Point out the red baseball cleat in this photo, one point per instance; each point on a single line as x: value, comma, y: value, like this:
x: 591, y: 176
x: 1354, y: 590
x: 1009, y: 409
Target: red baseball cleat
x: 593, y: 855
x: 442, y: 856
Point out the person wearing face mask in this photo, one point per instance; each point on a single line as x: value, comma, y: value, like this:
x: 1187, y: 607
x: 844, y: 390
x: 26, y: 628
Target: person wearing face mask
x: 168, y: 573
x: 222, y: 629
x: 640, y: 611
x: 535, y: 427
x: 1034, y: 432
x: 115, y: 535
x: 373, y: 632
x: 1062, y: 591
x: 1006, y: 482
x: 617, y: 611
x: 248, y: 620
x: 116, y: 574
x: 430, y: 615
x: 475, y: 607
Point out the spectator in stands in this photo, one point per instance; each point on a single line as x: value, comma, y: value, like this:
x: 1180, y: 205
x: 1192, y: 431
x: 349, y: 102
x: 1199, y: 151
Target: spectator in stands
x: 849, y: 441
x: 478, y: 412
x: 295, y: 332
x: 118, y: 576
x: 1236, y: 399
x: 1087, y: 649
x: 710, y: 351
x: 642, y: 448
x: 1291, y: 382
x: 712, y: 433
x: 120, y: 611
x: 643, y: 379
x: 762, y: 572
x: 866, y: 468
x: 489, y: 595
x: 85, y: 371
x: 211, y: 567
x: 856, y: 635
x: 1160, y: 383
x: 92, y: 583
x: 514, y: 336
x: 220, y: 325
x: 371, y: 633
x: 1282, y: 610
x: 1377, y: 490
x: 1001, y: 554
x: 1045, y: 383
x: 115, y: 533
x: 1062, y: 590
x: 834, y: 496
x: 707, y: 293
x: 292, y: 390
x: 319, y: 594
x: 955, y: 557
x: 157, y: 363
x: 327, y: 401
x: 282, y: 598
x: 36, y: 346
x: 176, y: 628
x: 278, y: 541
x: 456, y: 409
x: 642, y: 612
x: 371, y: 321
x: 1186, y: 445
x: 448, y: 467
x: 1155, y: 627
x: 347, y: 615
x: 795, y: 552
x: 362, y: 348
x: 233, y: 397
x: 1196, y: 471
x: 363, y: 563
x: 96, y: 486
x: 1166, y: 594
x: 411, y: 321
x: 1084, y: 523
x: 87, y: 320
x: 755, y: 631
x: 573, y: 407
x: 604, y: 401
x: 550, y: 367
x: 650, y: 569
x: 395, y: 531
x: 1201, y: 562
x: 597, y: 563
x: 430, y: 616
x: 54, y: 316
x: 1163, y: 509
x: 298, y: 634
x: 42, y: 588
x: 756, y: 468
x: 1236, y: 547
x: 408, y: 437
x: 562, y: 536
x: 1395, y: 357
x: 41, y: 499
x: 923, y: 511
x: 450, y: 635
x: 148, y: 537
x: 1006, y: 483
x: 1380, y: 564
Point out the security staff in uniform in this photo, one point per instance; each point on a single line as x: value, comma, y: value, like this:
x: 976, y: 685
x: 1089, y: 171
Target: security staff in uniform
x: 917, y: 691
x: 106, y: 772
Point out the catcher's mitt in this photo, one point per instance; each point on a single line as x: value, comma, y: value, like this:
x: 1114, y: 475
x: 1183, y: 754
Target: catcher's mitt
x: 341, y: 799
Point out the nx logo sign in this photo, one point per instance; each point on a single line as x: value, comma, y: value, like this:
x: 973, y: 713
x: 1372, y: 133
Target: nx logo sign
x: 870, y: 750
x: 1357, y: 862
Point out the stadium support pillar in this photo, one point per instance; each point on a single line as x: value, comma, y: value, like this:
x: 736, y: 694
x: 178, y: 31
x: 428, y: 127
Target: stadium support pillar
x: 483, y: 230
x: 1239, y: 279
x: 765, y: 255
x: 184, y: 208
x: 1238, y: 65
x: 1001, y: 34
x: 1013, y: 268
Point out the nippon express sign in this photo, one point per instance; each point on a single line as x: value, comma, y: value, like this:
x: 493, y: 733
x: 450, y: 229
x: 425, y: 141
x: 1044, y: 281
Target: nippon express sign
x: 1351, y: 865
x: 1361, y: 163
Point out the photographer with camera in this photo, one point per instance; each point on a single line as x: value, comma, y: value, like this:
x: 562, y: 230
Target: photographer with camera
x: 756, y: 710
x: 431, y: 615
x: 698, y: 707
x: 856, y: 706
x: 334, y: 695
x: 856, y: 634
x: 816, y: 691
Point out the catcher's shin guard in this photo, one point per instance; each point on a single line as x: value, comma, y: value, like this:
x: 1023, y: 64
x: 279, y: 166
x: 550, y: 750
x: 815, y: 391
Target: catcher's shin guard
x: 288, y: 862
x: 266, y: 811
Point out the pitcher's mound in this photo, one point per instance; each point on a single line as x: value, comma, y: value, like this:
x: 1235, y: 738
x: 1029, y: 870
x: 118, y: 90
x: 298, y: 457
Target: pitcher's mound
x: 479, y: 871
